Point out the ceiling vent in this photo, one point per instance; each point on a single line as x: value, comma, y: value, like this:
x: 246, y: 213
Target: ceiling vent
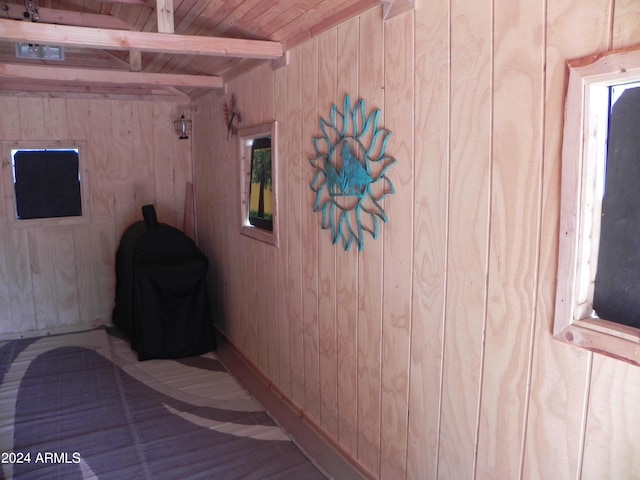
x: 39, y: 52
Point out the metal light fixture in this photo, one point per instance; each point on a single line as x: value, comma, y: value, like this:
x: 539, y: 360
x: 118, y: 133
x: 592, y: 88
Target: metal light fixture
x: 183, y: 127
x: 37, y: 51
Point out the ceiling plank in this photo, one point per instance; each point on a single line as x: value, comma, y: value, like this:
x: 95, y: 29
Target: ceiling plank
x: 298, y: 35
x: 106, y: 77
x: 141, y: 3
x: 69, y: 17
x: 84, y: 37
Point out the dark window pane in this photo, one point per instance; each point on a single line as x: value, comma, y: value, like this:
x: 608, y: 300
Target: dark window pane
x: 260, y: 207
x: 617, y: 286
x: 47, y: 184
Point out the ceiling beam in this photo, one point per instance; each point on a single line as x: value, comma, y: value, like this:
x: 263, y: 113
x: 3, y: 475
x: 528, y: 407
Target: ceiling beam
x: 106, y: 77
x: 171, y: 43
x: 68, y: 17
x: 135, y: 60
x: 52, y: 90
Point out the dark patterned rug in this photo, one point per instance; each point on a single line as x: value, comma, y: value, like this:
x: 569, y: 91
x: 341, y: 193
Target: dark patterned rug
x: 81, y: 406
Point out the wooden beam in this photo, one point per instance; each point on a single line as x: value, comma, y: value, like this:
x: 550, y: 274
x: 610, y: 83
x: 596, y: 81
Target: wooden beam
x: 281, y: 62
x: 84, y: 37
x: 68, y: 17
x: 135, y: 60
x: 46, y: 89
x: 164, y: 13
x: 106, y: 77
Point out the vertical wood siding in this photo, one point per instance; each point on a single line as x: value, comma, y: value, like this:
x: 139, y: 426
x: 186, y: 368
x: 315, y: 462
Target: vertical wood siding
x: 429, y: 354
x: 63, y: 276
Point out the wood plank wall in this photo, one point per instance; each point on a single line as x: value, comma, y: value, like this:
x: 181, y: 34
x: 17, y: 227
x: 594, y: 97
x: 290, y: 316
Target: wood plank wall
x: 64, y: 276
x: 429, y: 354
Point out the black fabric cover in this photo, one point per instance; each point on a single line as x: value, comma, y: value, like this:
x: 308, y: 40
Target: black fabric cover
x: 161, y: 296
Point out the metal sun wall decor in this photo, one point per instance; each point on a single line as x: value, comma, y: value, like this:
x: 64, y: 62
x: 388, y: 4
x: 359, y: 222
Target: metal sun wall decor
x: 351, y: 169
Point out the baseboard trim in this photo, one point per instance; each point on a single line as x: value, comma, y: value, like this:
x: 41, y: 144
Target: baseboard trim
x: 329, y: 456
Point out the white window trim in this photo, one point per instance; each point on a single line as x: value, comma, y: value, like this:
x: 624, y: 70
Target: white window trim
x: 583, y: 160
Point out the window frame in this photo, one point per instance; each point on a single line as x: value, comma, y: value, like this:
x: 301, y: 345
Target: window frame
x: 245, y: 136
x: 10, y: 196
x: 583, y: 169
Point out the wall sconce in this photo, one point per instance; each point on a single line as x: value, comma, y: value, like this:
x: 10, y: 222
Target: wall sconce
x: 183, y: 127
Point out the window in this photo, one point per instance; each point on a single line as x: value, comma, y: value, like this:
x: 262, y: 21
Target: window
x: 616, y: 293
x: 45, y: 183
x: 260, y: 190
x: 597, y: 303
x: 259, y: 200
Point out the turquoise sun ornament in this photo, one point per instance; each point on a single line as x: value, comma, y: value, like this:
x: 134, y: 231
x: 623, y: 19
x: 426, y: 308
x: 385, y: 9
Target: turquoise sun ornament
x: 351, y: 167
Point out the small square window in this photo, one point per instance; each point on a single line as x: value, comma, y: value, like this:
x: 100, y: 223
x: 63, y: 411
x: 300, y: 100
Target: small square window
x: 45, y: 184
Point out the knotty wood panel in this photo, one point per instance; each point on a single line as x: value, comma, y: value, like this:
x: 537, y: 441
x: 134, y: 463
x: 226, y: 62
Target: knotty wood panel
x: 31, y: 118
x: 263, y: 102
x: 265, y: 78
x: 94, y: 247
x: 398, y: 243
x: 246, y: 261
x: 284, y: 126
x: 63, y: 276
x: 102, y: 183
x: 430, y: 239
x: 212, y: 207
x: 41, y: 254
x: 19, y: 312
x: 370, y: 265
x: 327, y: 310
x: 54, y: 116
x: 456, y: 373
x: 21, y: 293
x: 310, y: 227
x: 293, y: 195
x: 513, y: 253
x: 610, y: 433
x: 560, y: 376
x: 163, y: 161
x: 468, y: 230
x: 347, y: 264
x: 626, y: 24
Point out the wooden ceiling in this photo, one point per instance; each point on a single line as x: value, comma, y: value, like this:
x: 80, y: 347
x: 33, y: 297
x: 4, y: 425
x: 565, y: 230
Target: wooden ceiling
x: 142, y: 47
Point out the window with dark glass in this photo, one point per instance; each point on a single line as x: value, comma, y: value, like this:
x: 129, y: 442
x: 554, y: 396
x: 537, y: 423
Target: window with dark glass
x: 261, y: 192
x: 617, y: 283
x: 47, y: 183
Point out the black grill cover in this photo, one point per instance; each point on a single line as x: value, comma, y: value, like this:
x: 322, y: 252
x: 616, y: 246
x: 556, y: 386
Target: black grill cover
x: 161, y: 297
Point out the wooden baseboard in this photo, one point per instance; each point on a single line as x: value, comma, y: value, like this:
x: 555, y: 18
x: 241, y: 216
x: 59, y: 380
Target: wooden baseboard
x: 308, y: 436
